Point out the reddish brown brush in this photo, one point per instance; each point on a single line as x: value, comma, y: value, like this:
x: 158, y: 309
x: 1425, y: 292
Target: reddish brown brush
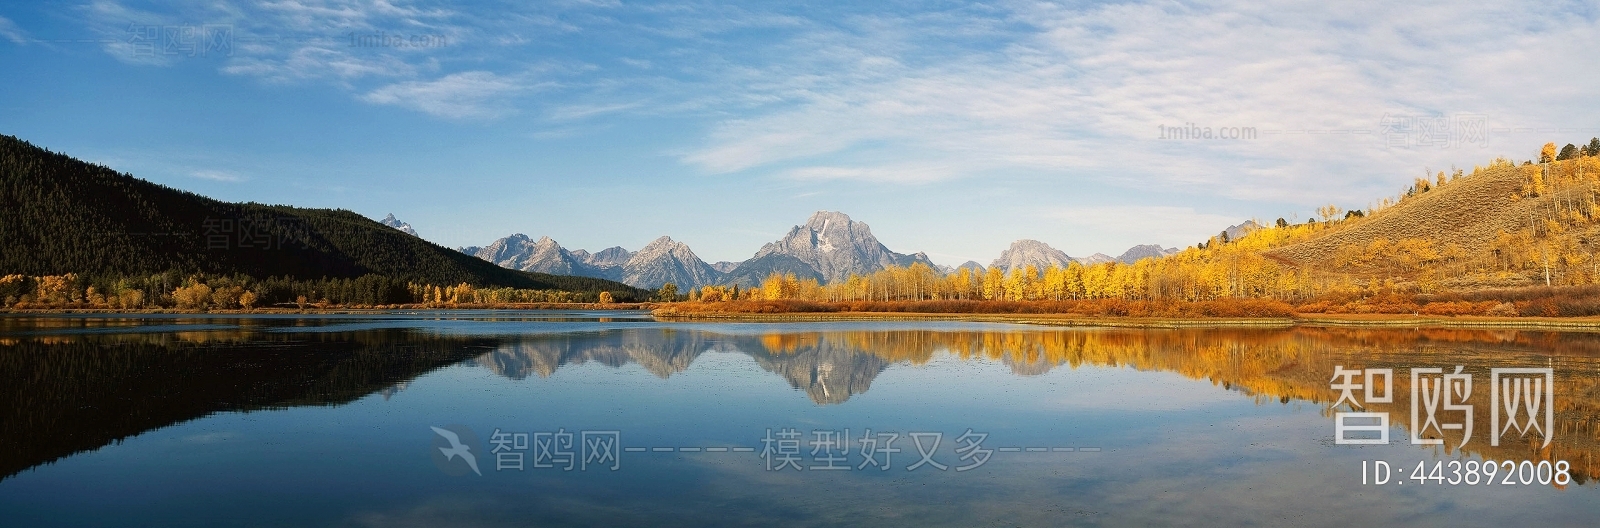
x: 1231, y: 307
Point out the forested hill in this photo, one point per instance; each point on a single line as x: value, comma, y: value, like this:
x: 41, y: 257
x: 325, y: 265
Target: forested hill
x: 61, y: 215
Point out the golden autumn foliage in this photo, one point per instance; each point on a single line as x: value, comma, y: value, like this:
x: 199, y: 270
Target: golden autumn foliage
x: 1272, y: 366
x: 1492, y: 233
x: 1236, y: 308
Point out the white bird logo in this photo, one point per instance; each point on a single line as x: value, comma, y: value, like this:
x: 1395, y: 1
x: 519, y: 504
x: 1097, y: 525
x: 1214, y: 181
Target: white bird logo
x: 456, y: 449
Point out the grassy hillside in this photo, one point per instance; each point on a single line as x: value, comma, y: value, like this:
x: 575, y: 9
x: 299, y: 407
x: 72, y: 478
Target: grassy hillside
x: 1501, y: 226
x: 1469, y: 212
x: 60, y: 215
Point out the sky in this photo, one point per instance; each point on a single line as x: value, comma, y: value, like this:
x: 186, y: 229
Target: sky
x: 950, y: 128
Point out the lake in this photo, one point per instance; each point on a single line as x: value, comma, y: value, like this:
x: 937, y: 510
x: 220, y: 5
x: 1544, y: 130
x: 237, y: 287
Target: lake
x: 611, y: 418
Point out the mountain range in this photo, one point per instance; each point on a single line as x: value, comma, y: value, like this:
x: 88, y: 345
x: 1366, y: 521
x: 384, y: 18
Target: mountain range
x: 1024, y: 253
x: 829, y: 246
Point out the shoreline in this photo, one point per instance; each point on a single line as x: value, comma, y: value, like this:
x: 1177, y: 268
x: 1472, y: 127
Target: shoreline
x: 617, y: 307
x: 1590, y: 323
x: 1072, y: 320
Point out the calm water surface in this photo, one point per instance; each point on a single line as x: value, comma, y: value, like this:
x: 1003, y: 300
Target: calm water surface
x: 329, y: 421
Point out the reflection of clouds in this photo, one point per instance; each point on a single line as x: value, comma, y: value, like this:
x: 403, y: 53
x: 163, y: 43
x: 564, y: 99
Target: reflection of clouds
x: 1265, y: 366
x: 1130, y: 390
x: 1243, y: 467
x: 439, y: 511
x: 1269, y: 468
x: 210, y: 438
x: 1248, y: 467
x: 392, y: 390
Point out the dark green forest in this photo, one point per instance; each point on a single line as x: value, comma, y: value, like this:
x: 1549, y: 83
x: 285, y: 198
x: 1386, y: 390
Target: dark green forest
x: 114, y: 232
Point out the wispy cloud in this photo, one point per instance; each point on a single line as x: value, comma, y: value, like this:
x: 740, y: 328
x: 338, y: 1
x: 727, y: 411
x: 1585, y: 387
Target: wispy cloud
x: 475, y: 94
x: 583, y: 111
x: 315, y: 62
x: 1175, y: 226
x: 379, y: 50
x: 120, y: 28
x: 216, y: 175
x: 1080, y: 91
x: 1074, y: 92
x: 11, y: 32
x: 906, y: 173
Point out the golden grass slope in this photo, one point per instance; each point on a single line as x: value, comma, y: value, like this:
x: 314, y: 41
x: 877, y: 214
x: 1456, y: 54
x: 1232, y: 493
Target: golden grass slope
x: 1469, y: 212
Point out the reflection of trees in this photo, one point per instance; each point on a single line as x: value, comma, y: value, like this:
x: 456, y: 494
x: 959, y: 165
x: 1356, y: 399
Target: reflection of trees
x: 1284, y: 365
x: 130, y: 326
x: 76, y: 393
x: 1297, y: 364
x: 79, y: 391
x: 1266, y: 365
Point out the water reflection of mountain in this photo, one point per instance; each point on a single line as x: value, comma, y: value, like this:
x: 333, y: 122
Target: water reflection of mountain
x: 661, y: 353
x: 827, y: 370
x: 69, y: 394
x: 1270, y: 366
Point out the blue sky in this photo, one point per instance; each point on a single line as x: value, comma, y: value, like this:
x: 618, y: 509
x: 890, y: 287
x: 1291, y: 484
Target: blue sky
x: 950, y: 128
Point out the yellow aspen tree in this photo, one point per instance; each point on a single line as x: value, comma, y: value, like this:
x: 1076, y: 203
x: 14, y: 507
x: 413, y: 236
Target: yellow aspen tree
x: 772, y: 287
x: 1015, y: 284
x: 993, y: 283
x: 1074, y: 281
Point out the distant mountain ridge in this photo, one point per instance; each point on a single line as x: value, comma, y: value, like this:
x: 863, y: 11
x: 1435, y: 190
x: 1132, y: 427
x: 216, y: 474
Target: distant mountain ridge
x: 829, y: 246
x: 661, y: 262
x: 1027, y: 252
x: 666, y: 260
x: 520, y: 252
x: 1144, y: 251
x: 832, y: 245
x: 1235, y: 232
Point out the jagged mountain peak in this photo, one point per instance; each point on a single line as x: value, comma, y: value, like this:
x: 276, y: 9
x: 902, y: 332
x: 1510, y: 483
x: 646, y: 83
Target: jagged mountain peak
x: 831, y: 244
x: 1244, y: 228
x: 1028, y: 252
x: 391, y: 221
x: 1144, y: 251
x: 666, y: 260
x: 614, y: 256
x: 663, y: 260
x: 1096, y: 258
x: 542, y: 256
x: 822, y: 220
x: 663, y: 242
